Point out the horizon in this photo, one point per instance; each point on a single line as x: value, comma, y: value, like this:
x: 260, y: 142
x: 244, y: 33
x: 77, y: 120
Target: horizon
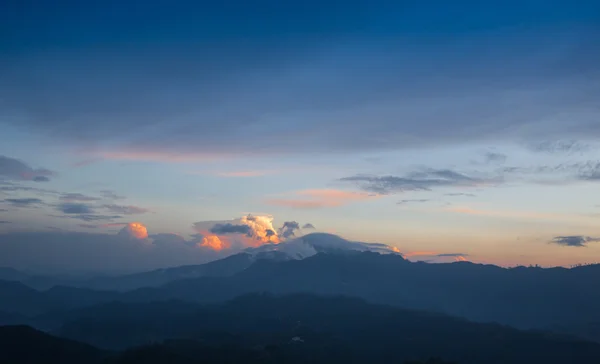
x: 143, y: 136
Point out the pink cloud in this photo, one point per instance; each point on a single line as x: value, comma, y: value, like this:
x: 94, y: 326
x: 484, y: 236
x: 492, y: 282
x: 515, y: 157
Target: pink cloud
x: 317, y: 198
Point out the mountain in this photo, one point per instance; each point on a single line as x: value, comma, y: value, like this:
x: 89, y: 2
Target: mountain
x: 11, y: 274
x: 294, y: 249
x: 22, y: 344
x: 223, y: 267
x: 523, y: 297
x: 315, y: 243
x: 339, y: 329
x: 562, y: 299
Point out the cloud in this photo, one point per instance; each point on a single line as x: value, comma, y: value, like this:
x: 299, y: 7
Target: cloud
x: 575, y: 240
x: 308, y: 226
x: 24, y: 202
x: 434, y: 257
x: 4, y: 222
x: 134, y: 230
x: 261, y: 227
x: 10, y: 187
x: 231, y: 229
x: 247, y: 231
x: 493, y: 157
x: 60, y: 251
x: 422, y: 200
x: 460, y: 194
x: 89, y: 226
x: 453, y: 255
x: 417, y: 181
x: 312, y: 199
x: 289, y: 229
x: 75, y: 208
x: 90, y: 217
x: 111, y: 195
x: 560, y: 147
x: 14, y: 169
x: 126, y: 210
x: 77, y: 197
x: 293, y: 98
x: 167, y: 238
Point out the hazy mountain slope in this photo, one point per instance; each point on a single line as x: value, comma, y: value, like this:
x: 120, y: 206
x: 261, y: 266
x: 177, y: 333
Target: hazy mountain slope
x: 223, y: 267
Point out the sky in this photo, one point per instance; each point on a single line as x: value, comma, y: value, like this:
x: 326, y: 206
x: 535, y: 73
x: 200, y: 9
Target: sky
x: 443, y: 129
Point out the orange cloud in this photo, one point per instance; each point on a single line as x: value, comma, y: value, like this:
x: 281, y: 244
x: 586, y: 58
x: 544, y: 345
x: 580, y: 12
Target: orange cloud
x: 135, y: 230
x: 317, y: 198
x: 215, y: 242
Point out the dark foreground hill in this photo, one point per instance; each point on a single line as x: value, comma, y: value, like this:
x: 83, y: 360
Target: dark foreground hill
x: 24, y: 345
x: 305, y: 328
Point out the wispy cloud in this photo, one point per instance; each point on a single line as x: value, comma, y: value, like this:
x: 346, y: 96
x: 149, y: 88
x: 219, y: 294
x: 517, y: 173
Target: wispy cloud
x: 126, y: 209
x: 418, y: 181
x: 460, y: 194
x: 311, y: 199
x: 111, y: 195
x: 574, y: 240
x: 407, y: 201
x: 14, y: 169
x: 77, y: 197
x: 24, y: 202
x: 560, y: 146
x: 75, y: 208
x: 494, y: 157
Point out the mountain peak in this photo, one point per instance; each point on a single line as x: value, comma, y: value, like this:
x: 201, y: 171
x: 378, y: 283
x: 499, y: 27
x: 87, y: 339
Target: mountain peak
x: 312, y: 244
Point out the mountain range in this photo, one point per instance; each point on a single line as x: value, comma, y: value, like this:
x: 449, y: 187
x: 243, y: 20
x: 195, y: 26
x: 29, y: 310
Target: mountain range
x: 558, y: 299
x: 298, y: 328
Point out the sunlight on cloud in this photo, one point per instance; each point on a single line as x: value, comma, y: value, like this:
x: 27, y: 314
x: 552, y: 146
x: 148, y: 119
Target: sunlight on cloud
x: 309, y: 199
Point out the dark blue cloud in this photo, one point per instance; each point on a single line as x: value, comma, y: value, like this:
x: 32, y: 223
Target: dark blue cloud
x: 231, y: 229
x: 125, y: 209
x: 75, y: 208
x: 384, y: 75
x: 77, y: 197
x: 24, y: 202
x: 420, y: 200
x: 14, y: 169
x: 417, y: 181
x: 574, y: 240
x: 289, y: 229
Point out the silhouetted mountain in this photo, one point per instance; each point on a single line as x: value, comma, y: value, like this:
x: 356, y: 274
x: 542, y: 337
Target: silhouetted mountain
x: 16, y: 297
x: 520, y: 297
x: 22, y: 344
x: 523, y: 297
x: 295, y: 249
x: 11, y: 274
x: 223, y: 267
x: 339, y: 329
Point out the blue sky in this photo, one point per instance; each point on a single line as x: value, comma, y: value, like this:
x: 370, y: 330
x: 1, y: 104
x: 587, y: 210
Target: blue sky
x: 437, y: 127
